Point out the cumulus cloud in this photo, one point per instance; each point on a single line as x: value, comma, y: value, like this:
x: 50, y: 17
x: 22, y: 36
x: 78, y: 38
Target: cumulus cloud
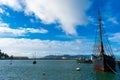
x: 27, y: 47
x: 5, y: 30
x: 14, y: 4
x: 68, y: 13
x: 115, y: 37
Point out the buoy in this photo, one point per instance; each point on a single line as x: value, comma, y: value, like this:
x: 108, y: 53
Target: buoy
x: 77, y: 69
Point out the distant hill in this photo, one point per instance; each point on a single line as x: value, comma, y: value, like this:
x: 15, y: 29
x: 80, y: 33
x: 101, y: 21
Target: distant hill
x: 65, y: 56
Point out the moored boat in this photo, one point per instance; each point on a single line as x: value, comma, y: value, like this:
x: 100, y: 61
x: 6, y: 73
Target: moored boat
x: 103, y: 58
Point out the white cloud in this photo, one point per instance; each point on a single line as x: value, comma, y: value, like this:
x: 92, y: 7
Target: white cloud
x: 68, y: 13
x: 5, y: 30
x: 1, y: 11
x: 26, y: 47
x: 3, y: 24
x: 113, y: 20
x: 32, y: 30
x: 115, y: 38
x: 14, y: 4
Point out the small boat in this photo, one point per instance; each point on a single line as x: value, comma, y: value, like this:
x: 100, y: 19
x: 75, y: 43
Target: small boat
x: 34, y: 57
x: 84, y: 60
x: 103, y: 58
x: 79, y: 61
x: 34, y: 62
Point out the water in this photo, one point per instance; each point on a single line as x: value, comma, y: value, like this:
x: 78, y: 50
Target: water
x: 51, y: 70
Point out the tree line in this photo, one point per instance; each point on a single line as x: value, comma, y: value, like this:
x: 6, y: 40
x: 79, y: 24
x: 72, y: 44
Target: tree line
x: 4, y: 55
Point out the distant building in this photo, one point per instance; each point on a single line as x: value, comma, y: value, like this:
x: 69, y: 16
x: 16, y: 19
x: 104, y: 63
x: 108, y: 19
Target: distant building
x: 64, y: 58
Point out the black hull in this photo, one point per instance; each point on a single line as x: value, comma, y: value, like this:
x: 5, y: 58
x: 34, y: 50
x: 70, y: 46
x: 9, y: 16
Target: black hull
x: 104, y: 63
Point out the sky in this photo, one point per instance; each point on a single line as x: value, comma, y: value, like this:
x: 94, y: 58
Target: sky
x: 56, y: 27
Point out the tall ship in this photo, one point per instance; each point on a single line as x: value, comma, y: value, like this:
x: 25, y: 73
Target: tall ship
x: 103, y: 58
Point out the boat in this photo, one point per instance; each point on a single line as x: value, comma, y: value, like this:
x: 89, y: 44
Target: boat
x: 81, y: 59
x: 84, y: 61
x: 34, y: 61
x: 103, y: 57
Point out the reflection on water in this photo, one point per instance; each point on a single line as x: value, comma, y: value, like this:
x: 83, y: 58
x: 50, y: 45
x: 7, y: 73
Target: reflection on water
x: 107, y: 75
x: 104, y: 75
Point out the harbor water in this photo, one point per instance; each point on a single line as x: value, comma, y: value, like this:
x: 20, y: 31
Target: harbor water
x: 52, y: 70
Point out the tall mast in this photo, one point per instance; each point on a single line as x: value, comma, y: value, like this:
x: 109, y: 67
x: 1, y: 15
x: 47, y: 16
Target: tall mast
x: 100, y: 27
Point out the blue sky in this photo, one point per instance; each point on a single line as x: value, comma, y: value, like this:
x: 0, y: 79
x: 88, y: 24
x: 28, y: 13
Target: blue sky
x: 56, y: 26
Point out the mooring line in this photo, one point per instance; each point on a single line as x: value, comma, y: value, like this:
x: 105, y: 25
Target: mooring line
x: 111, y: 69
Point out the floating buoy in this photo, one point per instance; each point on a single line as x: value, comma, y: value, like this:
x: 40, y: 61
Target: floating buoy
x: 77, y: 69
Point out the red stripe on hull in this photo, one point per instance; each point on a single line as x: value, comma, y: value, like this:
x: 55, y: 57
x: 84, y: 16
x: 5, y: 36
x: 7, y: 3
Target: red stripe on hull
x: 101, y: 68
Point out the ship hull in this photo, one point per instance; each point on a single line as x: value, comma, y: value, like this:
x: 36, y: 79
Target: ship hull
x: 104, y: 63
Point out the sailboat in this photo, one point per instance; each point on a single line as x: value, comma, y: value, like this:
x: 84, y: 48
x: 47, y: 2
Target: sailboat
x: 103, y: 58
x: 34, y: 61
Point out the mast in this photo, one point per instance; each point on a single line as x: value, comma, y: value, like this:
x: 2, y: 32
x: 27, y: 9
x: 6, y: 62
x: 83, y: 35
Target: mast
x: 100, y: 27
